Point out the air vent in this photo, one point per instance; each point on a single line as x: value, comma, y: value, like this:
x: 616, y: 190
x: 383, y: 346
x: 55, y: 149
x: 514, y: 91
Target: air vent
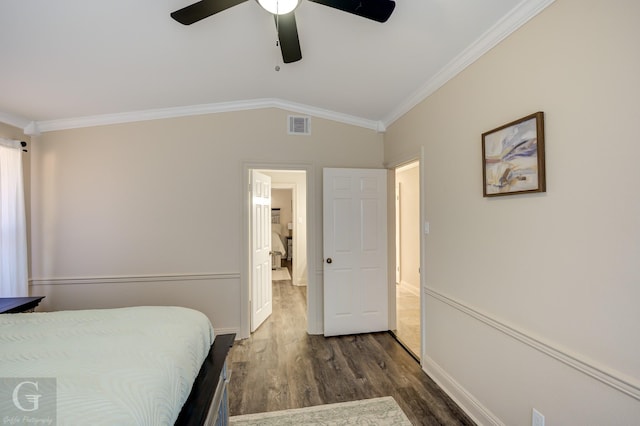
x: 299, y: 125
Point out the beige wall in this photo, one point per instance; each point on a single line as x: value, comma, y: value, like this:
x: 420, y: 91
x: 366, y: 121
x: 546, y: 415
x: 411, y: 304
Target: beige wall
x: 151, y: 212
x: 281, y: 199
x: 532, y: 300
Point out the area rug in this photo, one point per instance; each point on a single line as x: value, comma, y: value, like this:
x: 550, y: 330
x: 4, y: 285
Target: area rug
x: 280, y: 274
x: 383, y: 411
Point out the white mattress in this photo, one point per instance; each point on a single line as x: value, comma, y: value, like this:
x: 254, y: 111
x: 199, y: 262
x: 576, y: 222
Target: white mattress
x: 113, y: 366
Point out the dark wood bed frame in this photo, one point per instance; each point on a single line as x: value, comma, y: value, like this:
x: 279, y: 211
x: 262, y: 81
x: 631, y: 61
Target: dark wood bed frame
x: 211, y: 379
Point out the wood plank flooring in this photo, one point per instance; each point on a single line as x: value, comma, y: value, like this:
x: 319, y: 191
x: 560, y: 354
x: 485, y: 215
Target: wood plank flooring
x: 280, y: 367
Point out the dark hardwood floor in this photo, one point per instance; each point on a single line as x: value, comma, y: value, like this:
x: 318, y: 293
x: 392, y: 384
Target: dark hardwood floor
x: 280, y: 367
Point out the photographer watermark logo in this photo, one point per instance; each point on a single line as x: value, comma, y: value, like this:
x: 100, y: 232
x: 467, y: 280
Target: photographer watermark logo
x: 27, y: 401
x: 30, y: 398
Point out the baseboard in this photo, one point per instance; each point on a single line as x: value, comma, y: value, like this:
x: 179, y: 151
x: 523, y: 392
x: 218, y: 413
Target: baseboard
x: 479, y: 413
x: 415, y: 290
x: 230, y: 330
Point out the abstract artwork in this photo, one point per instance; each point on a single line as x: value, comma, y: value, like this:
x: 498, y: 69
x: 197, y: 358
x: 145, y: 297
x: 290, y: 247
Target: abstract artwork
x: 513, y: 157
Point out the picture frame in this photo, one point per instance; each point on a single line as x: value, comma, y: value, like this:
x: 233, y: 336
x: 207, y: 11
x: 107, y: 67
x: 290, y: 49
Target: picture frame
x: 275, y: 215
x: 513, y: 160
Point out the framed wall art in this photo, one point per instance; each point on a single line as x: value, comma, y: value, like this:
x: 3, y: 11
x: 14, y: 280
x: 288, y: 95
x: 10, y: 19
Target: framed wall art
x: 513, y: 157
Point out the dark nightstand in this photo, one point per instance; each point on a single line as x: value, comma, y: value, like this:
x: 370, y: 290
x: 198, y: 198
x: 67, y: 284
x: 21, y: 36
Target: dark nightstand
x: 14, y: 305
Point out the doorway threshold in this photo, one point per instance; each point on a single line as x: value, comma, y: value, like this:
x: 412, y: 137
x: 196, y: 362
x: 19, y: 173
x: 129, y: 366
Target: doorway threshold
x: 405, y: 347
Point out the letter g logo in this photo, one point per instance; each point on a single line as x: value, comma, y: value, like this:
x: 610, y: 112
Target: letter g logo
x: 33, y: 399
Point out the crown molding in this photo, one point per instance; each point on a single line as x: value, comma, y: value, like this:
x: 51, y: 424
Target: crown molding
x: 520, y: 15
x: 376, y: 125
x: 14, y: 120
x: 29, y: 128
x: 163, y: 113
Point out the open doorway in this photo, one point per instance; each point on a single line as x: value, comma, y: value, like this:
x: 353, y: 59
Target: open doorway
x: 281, y: 232
x: 408, y: 328
x: 288, y: 231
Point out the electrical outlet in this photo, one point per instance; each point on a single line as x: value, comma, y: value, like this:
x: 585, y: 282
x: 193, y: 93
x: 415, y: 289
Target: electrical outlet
x: 537, y: 419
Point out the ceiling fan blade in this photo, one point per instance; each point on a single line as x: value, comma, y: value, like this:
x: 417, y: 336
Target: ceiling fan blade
x: 288, y: 37
x: 202, y: 9
x: 377, y: 10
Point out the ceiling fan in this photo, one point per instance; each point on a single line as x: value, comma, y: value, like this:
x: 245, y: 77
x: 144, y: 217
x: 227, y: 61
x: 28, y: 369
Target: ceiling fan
x: 284, y: 14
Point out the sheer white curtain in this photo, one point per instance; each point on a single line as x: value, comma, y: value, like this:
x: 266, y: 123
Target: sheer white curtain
x: 13, y: 225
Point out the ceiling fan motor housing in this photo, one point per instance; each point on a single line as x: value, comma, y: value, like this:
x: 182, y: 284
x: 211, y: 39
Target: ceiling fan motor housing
x: 284, y: 14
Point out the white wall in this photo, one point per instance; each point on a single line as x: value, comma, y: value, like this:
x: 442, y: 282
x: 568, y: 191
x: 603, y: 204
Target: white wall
x: 532, y: 300
x: 151, y: 212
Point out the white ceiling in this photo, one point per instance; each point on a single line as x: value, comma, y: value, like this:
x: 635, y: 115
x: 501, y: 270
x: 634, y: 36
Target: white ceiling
x: 68, y: 59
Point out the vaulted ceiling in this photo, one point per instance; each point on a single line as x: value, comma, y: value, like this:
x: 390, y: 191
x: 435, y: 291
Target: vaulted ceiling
x: 68, y: 62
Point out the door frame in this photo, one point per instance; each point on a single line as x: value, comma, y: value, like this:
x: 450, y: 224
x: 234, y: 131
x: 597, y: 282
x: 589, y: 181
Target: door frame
x: 314, y: 291
x: 419, y: 157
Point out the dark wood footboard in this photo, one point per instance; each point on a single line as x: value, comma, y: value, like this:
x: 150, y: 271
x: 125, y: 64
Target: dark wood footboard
x: 195, y: 410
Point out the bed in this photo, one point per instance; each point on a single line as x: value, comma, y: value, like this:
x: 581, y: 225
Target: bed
x: 278, y: 245
x: 140, y: 365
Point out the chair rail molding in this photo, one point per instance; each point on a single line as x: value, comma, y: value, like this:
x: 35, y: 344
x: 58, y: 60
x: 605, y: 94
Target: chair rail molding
x: 133, y: 278
x: 610, y: 378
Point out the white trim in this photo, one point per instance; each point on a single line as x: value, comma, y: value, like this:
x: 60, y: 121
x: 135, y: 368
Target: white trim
x: 132, y: 279
x: 414, y: 290
x: 318, y: 326
x: 610, y: 378
x: 418, y: 160
x: 423, y: 255
x: 162, y: 113
x: 32, y: 129
x: 14, y: 120
x: 314, y: 301
x: 404, y: 162
x: 10, y: 143
x: 520, y: 15
x: 228, y: 330
x: 408, y: 166
x: 472, y: 407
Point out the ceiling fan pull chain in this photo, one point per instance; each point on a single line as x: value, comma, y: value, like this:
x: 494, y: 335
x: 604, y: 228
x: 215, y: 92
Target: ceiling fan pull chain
x: 277, y: 68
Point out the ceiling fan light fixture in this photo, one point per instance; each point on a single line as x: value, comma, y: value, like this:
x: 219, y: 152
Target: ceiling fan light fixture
x: 279, y: 7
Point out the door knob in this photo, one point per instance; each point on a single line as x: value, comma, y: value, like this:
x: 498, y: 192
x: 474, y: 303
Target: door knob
x: 329, y: 260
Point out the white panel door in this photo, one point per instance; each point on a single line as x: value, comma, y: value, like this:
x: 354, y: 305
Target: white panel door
x: 261, y: 292
x: 355, y: 251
